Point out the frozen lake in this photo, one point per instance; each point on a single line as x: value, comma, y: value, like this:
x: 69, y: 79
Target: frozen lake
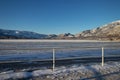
x: 38, y: 50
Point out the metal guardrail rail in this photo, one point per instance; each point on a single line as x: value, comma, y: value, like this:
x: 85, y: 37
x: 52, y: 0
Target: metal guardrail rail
x: 59, y: 48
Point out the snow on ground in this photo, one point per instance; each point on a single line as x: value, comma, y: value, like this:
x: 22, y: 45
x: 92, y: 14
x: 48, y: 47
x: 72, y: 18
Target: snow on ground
x: 110, y: 71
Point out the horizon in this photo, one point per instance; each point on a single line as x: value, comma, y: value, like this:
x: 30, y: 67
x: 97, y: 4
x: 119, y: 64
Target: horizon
x: 57, y: 16
x: 60, y: 33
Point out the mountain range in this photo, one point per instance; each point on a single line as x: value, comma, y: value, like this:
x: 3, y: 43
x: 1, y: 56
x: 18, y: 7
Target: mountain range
x: 16, y: 34
x: 109, y: 31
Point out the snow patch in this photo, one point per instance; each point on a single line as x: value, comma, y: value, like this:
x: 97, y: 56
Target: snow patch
x: 17, y: 32
x: 42, y: 72
x: 72, y: 72
x: 116, y: 21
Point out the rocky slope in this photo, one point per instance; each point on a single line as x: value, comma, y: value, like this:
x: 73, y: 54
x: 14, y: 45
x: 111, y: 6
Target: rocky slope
x: 110, y: 31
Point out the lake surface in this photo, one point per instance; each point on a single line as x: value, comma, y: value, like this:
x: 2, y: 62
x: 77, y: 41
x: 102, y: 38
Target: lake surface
x: 43, y: 50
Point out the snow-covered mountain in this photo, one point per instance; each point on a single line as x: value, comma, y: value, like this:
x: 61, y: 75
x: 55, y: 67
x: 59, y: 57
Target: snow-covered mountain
x: 109, y: 31
x: 16, y: 34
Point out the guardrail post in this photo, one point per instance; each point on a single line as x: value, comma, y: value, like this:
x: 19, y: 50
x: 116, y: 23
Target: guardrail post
x: 102, y: 56
x: 53, y: 59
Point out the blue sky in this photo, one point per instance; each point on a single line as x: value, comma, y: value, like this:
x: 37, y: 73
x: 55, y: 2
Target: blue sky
x: 57, y: 16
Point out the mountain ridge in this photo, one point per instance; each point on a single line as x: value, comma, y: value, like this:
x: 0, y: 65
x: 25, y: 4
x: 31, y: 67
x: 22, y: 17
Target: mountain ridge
x: 110, y: 31
x: 17, y: 34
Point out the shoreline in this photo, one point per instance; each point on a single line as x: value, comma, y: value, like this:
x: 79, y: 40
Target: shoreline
x: 46, y: 40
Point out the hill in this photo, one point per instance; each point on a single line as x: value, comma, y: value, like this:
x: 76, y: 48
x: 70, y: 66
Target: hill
x: 109, y: 31
x: 16, y: 34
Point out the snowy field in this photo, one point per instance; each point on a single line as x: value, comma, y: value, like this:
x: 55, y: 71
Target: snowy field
x: 33, y: 49
x: 110, y: 71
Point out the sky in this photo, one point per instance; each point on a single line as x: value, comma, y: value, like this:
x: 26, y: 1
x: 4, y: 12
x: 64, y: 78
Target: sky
x: 57, y: 16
